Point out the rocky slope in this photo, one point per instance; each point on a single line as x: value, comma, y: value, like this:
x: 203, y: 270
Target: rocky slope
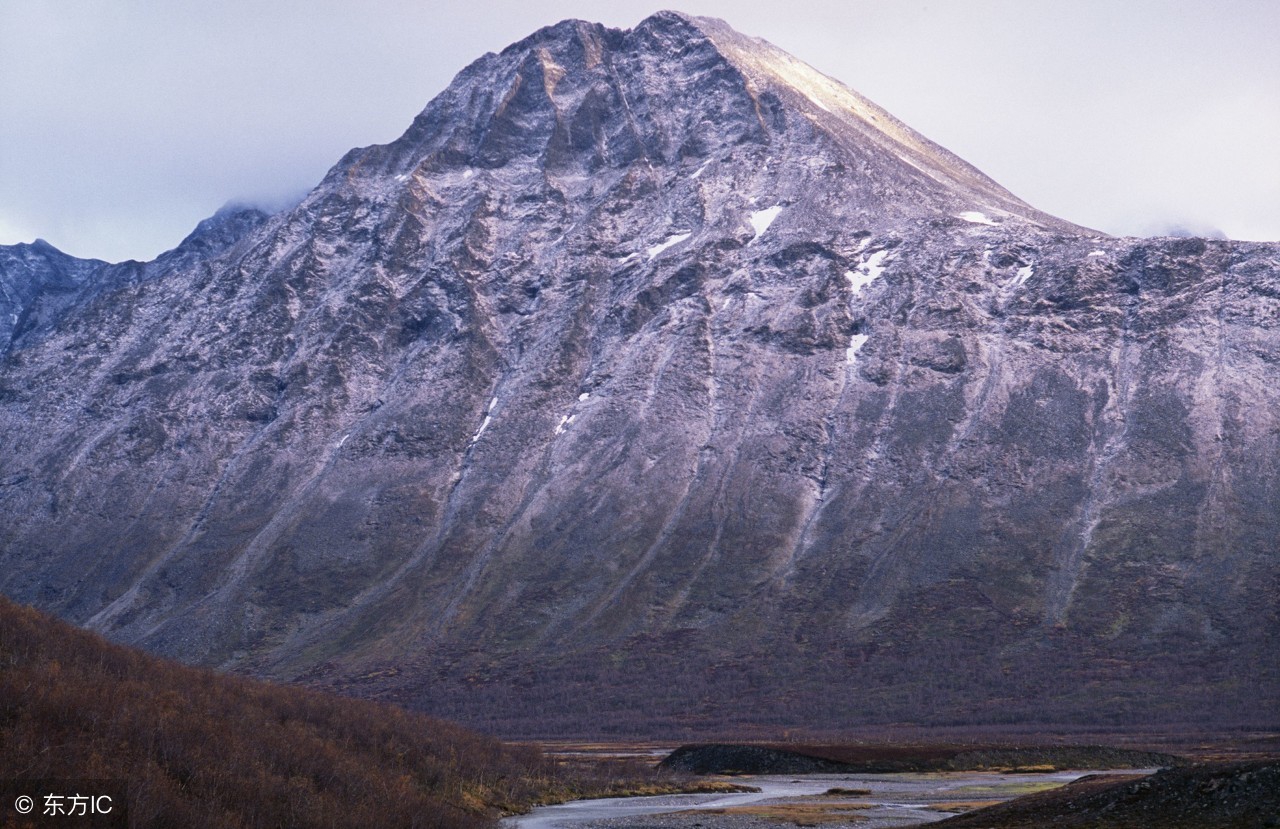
x: 650, y: 380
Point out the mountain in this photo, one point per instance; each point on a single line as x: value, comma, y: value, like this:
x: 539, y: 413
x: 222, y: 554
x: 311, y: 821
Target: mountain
x: 654, y: 382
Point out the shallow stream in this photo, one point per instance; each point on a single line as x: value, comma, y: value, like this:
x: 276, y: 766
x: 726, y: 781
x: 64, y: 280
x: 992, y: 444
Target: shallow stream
x: 894, y: 799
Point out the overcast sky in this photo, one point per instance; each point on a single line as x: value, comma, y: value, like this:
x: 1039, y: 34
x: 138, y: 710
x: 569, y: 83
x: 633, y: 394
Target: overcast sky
x: 125, y: 122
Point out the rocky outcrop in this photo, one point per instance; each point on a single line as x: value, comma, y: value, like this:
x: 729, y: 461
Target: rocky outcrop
x: 1242, y: 795
x: 653, y: 379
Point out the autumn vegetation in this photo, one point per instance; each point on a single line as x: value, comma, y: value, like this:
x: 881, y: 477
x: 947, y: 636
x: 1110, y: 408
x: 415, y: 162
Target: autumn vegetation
x: 200, y: 749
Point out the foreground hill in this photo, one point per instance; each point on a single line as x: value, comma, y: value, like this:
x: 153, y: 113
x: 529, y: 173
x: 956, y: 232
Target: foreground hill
x: 653, y: 380
x: 198, y: 749
x: 1204, y: 796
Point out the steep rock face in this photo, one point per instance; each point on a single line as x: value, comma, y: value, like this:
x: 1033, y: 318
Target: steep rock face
x: 652, y: 374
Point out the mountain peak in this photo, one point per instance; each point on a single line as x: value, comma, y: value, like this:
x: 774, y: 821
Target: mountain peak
x: 578, y: 98
x: 565, y: 31
x: 677, y: 23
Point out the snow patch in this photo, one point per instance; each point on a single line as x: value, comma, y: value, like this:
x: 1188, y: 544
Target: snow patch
x: 342, y: 440
x: 670, y: 240
x: 564, y: 423
x: 468, y: 173
x: 699, y: 171
x: 856, y: 342
x: 488, y: 418
x: 761, y: 219
x: 1024, y: 273
x: 868, y: 272
x: 582, y: 398
x: 975, y: 217
x: 1097, y: 253
x: 402, y: 177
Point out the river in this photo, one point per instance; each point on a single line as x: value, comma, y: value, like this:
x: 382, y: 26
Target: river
x: 894, y: 800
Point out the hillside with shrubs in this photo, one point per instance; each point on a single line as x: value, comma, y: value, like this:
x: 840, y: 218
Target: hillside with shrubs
x: 200, y: 749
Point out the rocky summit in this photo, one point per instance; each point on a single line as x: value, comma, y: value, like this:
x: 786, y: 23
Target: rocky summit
x: 655, y: 382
